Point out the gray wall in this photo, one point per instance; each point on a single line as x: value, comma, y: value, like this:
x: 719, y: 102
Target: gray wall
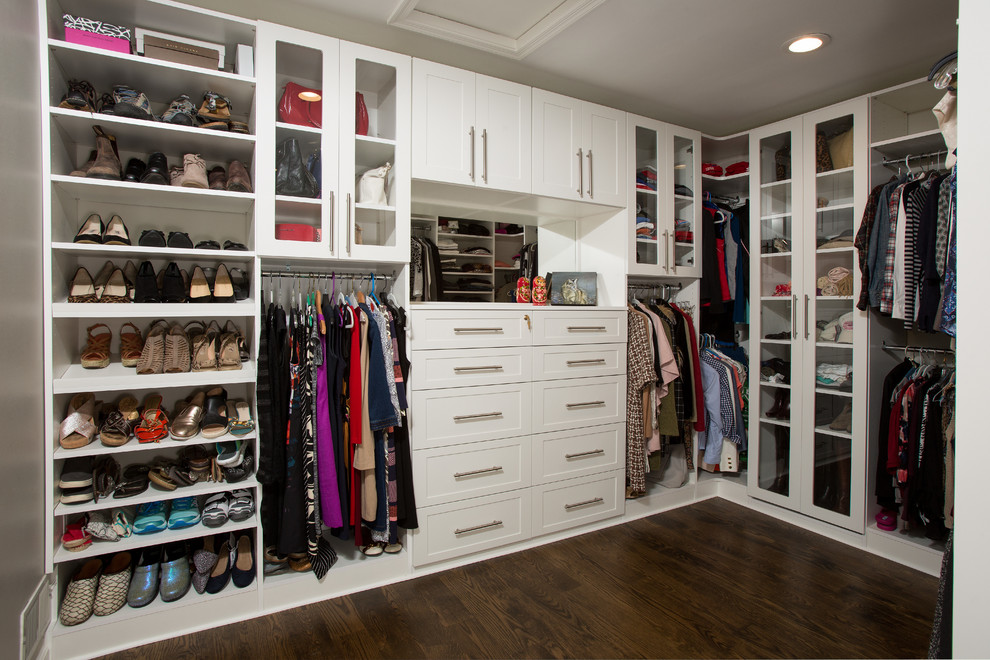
x: 22, y: 438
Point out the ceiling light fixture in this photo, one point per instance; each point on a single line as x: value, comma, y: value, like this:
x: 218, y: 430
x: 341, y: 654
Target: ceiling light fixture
x: 807, y: 43
x: 312, y: 97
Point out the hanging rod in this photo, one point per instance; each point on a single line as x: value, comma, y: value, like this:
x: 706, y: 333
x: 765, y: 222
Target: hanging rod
x: 670, y: 285
x: 921, y: 349
x: 904, y: 161
x: 299, y: 274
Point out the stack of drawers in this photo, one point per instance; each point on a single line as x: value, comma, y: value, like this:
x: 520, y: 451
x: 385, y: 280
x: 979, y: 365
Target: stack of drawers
x: 518, y: 424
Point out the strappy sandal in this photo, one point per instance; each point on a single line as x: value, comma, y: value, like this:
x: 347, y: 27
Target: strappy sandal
x: 242, y: 350
x: 177, y: 360
x: 154, y: 421
x: 197, y: 462
x: 106, y: 477
x: 96, y: 355
x: 152, y: 360
x: 240, y: 422
x: 116, y: 430
x: 78, y: 428
x: 373, y: 549
x: 131, y: 345
x: 241, y: 505
x: 215, y: 422
x: 204, y: 353
x: 228, y: 355
x: 135, y: 482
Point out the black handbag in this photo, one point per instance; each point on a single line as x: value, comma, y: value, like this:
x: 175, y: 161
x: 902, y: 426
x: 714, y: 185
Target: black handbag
x: 291, y: 176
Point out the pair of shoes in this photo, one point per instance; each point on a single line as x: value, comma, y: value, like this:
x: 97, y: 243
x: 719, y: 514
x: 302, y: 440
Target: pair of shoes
x: 96, y: 589
x: 160, y: 571
x: 118, y: 426
x: 111, y: 285
x: 154, y: 172
x: 236, y: 179
x: 154, y: 422
x: 237, y: 506
x: 235, y: 561
x: 96, y: 353
x: 93, y: 231
x: 192, y: 174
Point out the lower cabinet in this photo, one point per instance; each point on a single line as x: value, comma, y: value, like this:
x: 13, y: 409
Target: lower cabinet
x: 520, y: 434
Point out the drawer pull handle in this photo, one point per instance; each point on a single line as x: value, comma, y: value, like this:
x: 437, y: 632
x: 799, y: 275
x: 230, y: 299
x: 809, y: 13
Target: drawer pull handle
x: 583, y: 454
x: 464, y: 418
x: 488, y: 331
x: 597, y: 500
x: 494, y: 523
x: 586, y: 328
x: 471, y: 473
x: 571, y: 363
x: 586, y: 404
x: 492, y: 367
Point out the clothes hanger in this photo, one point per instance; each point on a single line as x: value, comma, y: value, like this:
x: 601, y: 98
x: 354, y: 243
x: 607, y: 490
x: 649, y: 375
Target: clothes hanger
x: 373, y: 296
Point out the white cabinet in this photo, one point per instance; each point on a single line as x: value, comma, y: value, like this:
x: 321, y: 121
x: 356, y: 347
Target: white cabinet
x: 334, y: 221
x: 808, y: 438
x: 471, y: 129
x: 579, y: 150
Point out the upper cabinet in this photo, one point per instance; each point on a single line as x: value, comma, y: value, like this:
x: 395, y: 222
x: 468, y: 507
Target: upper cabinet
x: 579, y: 150
x: 334, y: 147
x: 471, y: 129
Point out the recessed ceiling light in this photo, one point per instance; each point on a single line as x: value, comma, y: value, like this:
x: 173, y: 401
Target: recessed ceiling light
x: 807, y: 43
x: 312, y: 97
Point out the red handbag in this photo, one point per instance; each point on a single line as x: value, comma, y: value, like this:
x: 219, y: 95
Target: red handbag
x: 294, y: 110
x: 361, y: 115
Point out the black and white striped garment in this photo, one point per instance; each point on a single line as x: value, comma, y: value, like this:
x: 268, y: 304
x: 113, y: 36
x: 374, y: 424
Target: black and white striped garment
x: 307, y: 438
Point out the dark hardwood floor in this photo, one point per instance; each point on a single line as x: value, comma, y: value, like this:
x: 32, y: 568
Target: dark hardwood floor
x: 713, y: 580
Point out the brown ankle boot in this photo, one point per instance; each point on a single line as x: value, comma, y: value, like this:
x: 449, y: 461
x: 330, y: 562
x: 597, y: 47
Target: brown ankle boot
x: 775, y: 409
x: 218, y: 178
x: 107, y: 164
x: 194, y: 172
x: 85, y: 168
x: 238, y: 179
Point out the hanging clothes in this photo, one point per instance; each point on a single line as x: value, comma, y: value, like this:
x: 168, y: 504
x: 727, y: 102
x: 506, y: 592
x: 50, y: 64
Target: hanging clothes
x: 724, y: 381
x: 725, y: 268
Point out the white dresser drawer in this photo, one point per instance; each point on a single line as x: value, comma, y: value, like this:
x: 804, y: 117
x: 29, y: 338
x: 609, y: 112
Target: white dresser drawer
x: 470, y: 329
x: 470, y: 414
x: 579, y: 327
x: 452, y: 530
x: 471, y: 366
x: 552, y: 362
x: 578, y: 403
x: 578, y: 453
x: 576, y: 502
x: 454, y: 473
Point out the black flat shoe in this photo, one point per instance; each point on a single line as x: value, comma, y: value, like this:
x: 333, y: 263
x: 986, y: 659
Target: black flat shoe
x: 231, y: 245
x: 91, y: 230
x: 146, y: 287
x: 152, y: 238
x: 173, y: 289
x: 135, y: 170
x: 207, y: 245
x: 179, y: 240
x: 157, y: 172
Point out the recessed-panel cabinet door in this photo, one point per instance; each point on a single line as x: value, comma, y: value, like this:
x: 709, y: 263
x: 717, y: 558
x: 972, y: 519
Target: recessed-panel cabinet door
x: 558, y: 158
x: 503, y: 139
x: 444, y: 123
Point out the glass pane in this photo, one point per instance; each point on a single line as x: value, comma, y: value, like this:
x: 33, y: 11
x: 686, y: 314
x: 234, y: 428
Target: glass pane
x: 647, y: 240
x: 775, y: 450
x: 831, y: 487
x: 374, y: 154
x: 684, y: 201
x: 775, y: 405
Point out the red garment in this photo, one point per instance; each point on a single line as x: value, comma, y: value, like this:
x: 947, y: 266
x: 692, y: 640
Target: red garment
x: 711, y: 169
x: 354, y: 405
x: 737, y: 168
x: 699, y: 394
x: 893, y: 460
x: 723, y: 279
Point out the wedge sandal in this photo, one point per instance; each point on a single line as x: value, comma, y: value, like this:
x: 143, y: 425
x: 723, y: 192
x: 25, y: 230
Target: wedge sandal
x: 152, y: 360
x: 131, y: 345
x: 177, y: 355
x: 96, y: 354
x: 78, y: 428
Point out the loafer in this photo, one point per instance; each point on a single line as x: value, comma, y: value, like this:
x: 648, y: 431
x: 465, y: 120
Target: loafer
x: 144, y: 581
x: 157, y: 172
x: 179, y: 240
x: 220, y: 575
x: 186, y: 424
x: 111, y: 594
x: 80, y: 594
x: 242, y: 574
x: 176, y: 578
x: 135, y: 170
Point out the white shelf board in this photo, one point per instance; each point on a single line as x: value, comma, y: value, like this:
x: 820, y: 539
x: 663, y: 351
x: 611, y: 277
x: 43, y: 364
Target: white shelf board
x: 646, y: 191
x: 786, y: 298
x: 96, y: 448
x: 737, y: 184
x: 833, y: 344
x: 174, y: 198
x: 777, y: 216
x: 150, y: 136
x: 827, y: 298
x: 838, y: 250
x: 916, y: 143
x: 779, y: 342
x: 446, y: 234
x: 297, y: 128
x: 652, y: 241
x: 835, y: 207
x: 731, y: 177
x: 385, y: 209
x: 683, y: 199
x: 783, y: 386
x: 771, y: 255
x: 306, y: 201
x: 119, y: 377
x: 465, y: 272
x: 519, y: 235
x: 159, y: 79
x: 136, y: 541
x: 373, y: 151
x: 67, y: 310
x: 115, y: 251
x: 825, y: 430
x: 774, y: 184
x: 775, y: 422
x: 683, y: 245
x: 843, y: 170
x: 155, y: 494
x: 833, y: 392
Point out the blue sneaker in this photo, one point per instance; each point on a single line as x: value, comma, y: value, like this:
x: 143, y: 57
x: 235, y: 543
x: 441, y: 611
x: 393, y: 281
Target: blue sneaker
x: 151, y: 517
x: 185, y: 513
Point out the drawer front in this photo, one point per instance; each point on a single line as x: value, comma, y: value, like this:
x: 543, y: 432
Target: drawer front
x: 571, y: 503
x: 554, y: 362
x: 579, y: 327
x: 452, y: 530
x: 578, y: 403
x: 471, y: 366
x: 571, y: 454
x: 470, y: 414
x: 447, y: 474
x: 470, y: 329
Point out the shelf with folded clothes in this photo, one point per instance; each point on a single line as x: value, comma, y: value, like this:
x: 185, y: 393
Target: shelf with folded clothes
x: 136, y: 541
x: 155, y: 493
x: 75, y: 378
x: 175, y: 198
x: 76, y: 126
x: 95, y: 448
x: 159, y: 79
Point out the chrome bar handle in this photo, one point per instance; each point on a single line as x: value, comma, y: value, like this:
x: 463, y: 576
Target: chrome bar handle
x: 586, y: 328
x: 490, y: 331
x: 593, y: 452
x: 466, y: 418
x: 494, y: 523
x: 332, y: 200
x: 572, y: 363
x: 597, y: 500
x: 471, y: 473
x: 673, y: 252
x: 591, y: 176
x: 492, y: 367
x: 348, y: 224
x: 666, y: 250
x: 471, y: 133
x: 585, y: 404
x: 580, y: 155
x: 807, y: 332
x: 484, y: 155
x: 794, y: 318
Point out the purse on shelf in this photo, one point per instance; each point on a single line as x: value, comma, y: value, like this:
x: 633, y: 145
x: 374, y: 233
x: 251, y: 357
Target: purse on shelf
x: 294, y: 110
x: 291, y: 176
x: 361, y: 115
x: 371, y: 186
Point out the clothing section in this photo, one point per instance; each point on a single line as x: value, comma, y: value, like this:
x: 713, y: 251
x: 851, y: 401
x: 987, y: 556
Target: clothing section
x: 334, y: 445
x: 725, y: 267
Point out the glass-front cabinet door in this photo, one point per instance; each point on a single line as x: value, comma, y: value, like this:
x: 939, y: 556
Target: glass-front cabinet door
x: 776, y: 347
x: 684, y: 165
x: 649, y: 233
x: 834, y: 331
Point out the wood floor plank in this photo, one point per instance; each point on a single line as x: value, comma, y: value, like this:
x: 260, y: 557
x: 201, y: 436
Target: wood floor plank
x: 712, y: 580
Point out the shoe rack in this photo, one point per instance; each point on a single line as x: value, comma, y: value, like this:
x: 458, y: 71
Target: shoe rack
x: 202, y: 213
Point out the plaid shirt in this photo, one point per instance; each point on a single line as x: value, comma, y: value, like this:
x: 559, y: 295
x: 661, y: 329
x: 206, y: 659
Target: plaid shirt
x: 887, y: 293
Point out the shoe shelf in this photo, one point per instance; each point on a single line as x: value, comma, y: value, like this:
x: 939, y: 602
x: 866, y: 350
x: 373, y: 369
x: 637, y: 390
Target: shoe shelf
x: 825, y: 390
x: 156, y: 78
x: 67, y: 310
x: 95, y: 448
x: 135, y: 541
x: 143, y: 194
x: 150, y: 136
x: 113, y: 251
x: 775, y: 422
x: 157, y: 606
x: 825, y: 430
x: 297, y: 128
x: 118, y: 377
x: 155, y: 494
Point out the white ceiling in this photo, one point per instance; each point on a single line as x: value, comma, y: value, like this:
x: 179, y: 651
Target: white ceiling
x: 715, y: 65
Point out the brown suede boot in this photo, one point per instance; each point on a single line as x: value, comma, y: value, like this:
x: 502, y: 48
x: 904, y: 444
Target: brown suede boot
x: 194, y: 172
x: 107, y: 164
x: 218, y: 178
x: 238, y: 179
x: 85, y: 168
x: 176, y: 175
